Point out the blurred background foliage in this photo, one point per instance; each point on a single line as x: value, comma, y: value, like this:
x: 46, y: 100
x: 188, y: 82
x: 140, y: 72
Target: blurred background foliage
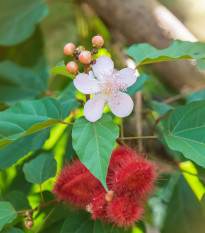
x: 178, y: 204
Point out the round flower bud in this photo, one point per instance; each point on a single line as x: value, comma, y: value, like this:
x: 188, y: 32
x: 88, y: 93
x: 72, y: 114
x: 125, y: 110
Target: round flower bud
x: 85, y: 57
x: 69, y: 49
x: 98, y: 41
x: 109, y: 196
x: 72, y: 67
x: 28, y: 223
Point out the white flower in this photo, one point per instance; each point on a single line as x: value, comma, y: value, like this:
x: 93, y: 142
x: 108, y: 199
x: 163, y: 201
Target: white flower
x: 108, y: 86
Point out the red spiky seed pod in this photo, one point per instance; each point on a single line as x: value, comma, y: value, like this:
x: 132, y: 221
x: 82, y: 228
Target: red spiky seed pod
x: 98, y: 41
x: 85, y: 57
x: 119, y: 155
x: 124, y: 211
x: 99, y: 204
x: 69, y: 49
x: 136, y: 175
x: 72, y: 67
x: 75, y: 184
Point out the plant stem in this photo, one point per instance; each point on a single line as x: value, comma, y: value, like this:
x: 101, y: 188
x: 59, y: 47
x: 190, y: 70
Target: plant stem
x: 141, y: 137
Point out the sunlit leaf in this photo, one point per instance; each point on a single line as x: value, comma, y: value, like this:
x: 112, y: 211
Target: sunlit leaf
x: 145, y: 53
x: 94, y: 142
x: 60, y: 69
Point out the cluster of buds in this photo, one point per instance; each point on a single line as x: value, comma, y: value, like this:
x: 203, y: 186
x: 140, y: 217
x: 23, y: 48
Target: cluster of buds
x: 82, y: 55
x: 29, y: 221
x: 130, y: 181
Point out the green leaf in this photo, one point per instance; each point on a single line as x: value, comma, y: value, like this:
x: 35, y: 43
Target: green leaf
x: 20, y: 147
x: 67, y: 99
x: 7, y: 213
x: 18, y: 200
x: 186, y: 131
x: 196, y: 96
x: 145, y: 53
x: 40, y: 169
x: 184, y: 214
x: 19, y: 83
x: 94, y: 142
x: 203, y: 204
x: 201, y: 64
x: 138, y: 85
x: 25, y: 14
x: 60, y: 69
x: 28, y: 117
x: 81, y: 222
x: 160, y: 108
x: 12, y: 230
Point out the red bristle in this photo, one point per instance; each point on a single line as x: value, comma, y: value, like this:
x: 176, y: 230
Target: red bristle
x: 99, y: 204
x: 136, y: 175
x: 119, y: 155
x: 75, y: 184
x: 124, y: 211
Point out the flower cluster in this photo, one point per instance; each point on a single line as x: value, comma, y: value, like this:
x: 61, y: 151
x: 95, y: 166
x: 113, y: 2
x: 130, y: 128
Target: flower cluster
x: 130, y: 180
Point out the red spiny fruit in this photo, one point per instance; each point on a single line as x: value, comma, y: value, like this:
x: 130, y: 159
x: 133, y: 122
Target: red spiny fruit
x: 99, y: 204
x: 119, y: 155
x: 136, y: 175
x: 75, y: 184
x: 124, y: 211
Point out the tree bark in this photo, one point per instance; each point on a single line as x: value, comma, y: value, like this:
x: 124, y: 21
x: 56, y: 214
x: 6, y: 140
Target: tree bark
x: 148, y: 21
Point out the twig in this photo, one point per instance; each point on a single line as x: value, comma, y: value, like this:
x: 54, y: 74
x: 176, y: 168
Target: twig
x: 141, y: 137
x: 66, y: 123
x: 138, y: 111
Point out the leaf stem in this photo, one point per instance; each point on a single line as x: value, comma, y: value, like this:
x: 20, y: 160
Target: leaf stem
x: 66, y: 123
x: 140, y: 137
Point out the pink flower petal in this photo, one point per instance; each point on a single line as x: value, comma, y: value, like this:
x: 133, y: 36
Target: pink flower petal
x: 93, y: 108
x: 86, y: 84
x: 127, y: 75
x: 121, y: 104
x: 104, y: 66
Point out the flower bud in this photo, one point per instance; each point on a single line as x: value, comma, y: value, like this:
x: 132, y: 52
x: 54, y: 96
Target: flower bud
x: 72, y: 67
x: 69, y: 49
x: 98, y: 41
x: 28, y: 223
x: 85, y: 57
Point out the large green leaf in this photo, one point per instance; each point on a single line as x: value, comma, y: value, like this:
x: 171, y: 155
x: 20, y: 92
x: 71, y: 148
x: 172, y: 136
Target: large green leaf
x: 19, y: 18
x: 40, y: 169
x: 186, y: 131
x: 81, y: 222
x: 138, y: 85
x: 94, y: 142
x: 184, y: 213
x: 19, y: 83
x: 12, y: 230
x: 28, y: 117
x: 145, y: 53
x: 7, y: 213
x: 67, y: 99
x: 20, y: 147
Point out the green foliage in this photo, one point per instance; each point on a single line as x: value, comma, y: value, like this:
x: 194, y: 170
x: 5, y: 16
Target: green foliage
x: 145, y: 53
x: 138, y: 85
x: 184, y: 214
x: 7, y: 213
x: 94, y: 142
x: 28, y: 117
x: 186, y: 131
x: 21, y: 146
x: 81, y: 222
x: 196, y: 96
x: 23, y: 83
x: 201, y: 64
x: 12, y: 230
x: 40, y: 169
x: 160, y: 108
x: 27, y: 13
x: 60, y: 69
